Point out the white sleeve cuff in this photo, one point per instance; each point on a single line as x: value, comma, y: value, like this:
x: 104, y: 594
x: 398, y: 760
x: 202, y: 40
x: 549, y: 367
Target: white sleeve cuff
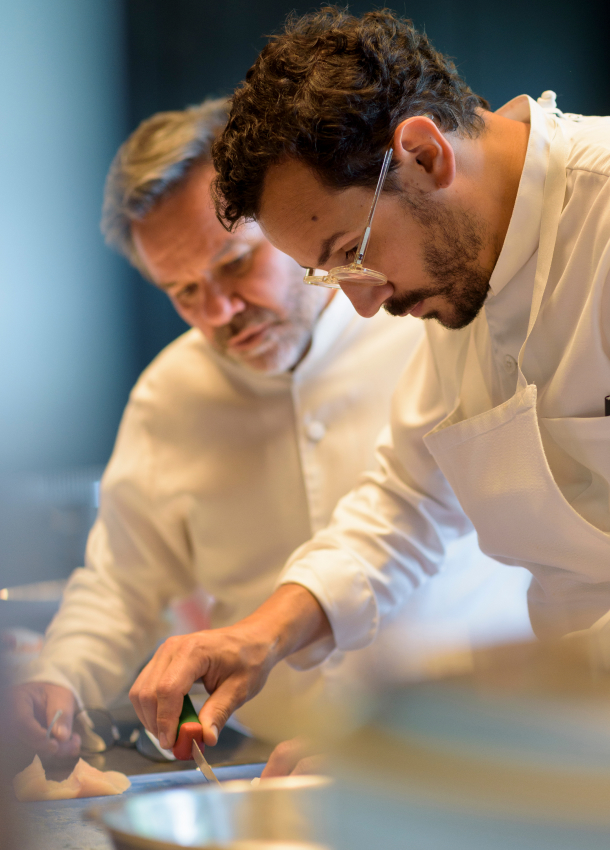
x: 338, y: 582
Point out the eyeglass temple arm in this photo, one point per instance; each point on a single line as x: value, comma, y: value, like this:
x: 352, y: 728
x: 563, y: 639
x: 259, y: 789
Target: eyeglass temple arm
x: 387, y: 160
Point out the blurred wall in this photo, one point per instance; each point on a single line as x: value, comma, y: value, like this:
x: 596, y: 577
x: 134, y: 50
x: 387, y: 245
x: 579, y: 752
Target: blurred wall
x: 181, y: 50
x: 67, y: 356
x: 68, y: 344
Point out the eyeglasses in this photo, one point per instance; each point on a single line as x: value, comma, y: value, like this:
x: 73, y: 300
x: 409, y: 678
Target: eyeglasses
x: 355, y: 272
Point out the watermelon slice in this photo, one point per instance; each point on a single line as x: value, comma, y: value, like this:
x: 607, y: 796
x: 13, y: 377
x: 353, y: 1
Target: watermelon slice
x: 189, y: 729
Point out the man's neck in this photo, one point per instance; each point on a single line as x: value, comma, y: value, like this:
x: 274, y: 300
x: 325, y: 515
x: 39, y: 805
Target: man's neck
x: 492, y: 165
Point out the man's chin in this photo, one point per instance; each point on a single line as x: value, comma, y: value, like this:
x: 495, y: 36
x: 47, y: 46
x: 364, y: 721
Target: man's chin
x: 452, y: 320
x: 271, y: 360
x: 452, y: 315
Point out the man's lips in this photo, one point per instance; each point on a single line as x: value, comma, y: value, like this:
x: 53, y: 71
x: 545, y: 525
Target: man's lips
x: 417, y: 310
x: 248, y: 336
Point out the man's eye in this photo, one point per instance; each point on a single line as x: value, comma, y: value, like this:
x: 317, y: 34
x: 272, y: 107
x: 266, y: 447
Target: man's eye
x: 188, y: 293
x: 237, y: 266
x: 350, y: 255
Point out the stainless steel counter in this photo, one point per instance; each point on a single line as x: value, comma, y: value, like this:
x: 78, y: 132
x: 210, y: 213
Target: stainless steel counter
x: 59, y: 825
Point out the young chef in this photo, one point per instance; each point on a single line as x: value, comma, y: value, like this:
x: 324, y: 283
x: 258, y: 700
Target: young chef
x: 236, y: 443
x: 494, y: 226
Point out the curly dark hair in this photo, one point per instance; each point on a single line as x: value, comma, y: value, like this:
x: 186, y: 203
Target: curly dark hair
x: 330, y: 91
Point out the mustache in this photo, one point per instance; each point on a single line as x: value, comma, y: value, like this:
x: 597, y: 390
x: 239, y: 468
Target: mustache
x: 249, y: 317
x: 398, y: 305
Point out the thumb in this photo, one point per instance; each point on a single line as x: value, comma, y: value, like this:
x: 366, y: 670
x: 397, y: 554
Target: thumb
x: 219, y: 707
x: 61, y: 699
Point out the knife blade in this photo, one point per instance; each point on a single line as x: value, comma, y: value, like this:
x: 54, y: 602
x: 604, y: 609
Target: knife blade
x: 202, y: 764
x: 56, y: 717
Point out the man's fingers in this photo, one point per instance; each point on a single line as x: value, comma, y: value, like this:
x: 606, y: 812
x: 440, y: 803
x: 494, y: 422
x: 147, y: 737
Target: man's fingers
x: 309, y: 765
x: 217, y: 658
x: 217, y: 709
x: 144, y: 701
x: 143, y: 692
x: 60, y: 699
x: 71, y: 747
x: 150, y: 692
x: 169, y: 706
x: 29, y: 729
x: 285, y: 758
x: 134, y: 696
x: 36, y: 704
x: 34, y: 736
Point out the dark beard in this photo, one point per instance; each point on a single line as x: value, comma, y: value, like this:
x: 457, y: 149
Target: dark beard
x: 453, y: 240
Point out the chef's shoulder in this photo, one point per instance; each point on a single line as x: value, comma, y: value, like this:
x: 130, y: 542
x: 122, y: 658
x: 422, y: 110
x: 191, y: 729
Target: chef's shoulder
x: 184, y: 369
x: 589, y: 143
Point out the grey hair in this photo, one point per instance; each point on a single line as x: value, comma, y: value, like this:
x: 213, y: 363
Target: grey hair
x: 156, y: 159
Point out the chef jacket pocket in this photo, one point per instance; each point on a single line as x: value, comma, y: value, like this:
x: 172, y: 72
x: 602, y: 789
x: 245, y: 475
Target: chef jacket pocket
x: 578, y: 453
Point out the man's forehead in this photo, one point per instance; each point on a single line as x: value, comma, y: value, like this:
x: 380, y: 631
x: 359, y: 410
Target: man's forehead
x: 180, y: 245
x: 298, y: 213
x: 294, y: 188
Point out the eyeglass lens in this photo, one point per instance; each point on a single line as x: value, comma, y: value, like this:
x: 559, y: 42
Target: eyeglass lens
x: 355, y: 272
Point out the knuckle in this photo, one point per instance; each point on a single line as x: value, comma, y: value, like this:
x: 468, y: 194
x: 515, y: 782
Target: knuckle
x: 165, y: 690
x: 147, y: 697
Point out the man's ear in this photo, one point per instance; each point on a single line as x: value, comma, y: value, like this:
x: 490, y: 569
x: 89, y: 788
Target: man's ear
x: 426, y: 160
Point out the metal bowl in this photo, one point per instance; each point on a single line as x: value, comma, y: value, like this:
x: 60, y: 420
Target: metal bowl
x: 281, y: 814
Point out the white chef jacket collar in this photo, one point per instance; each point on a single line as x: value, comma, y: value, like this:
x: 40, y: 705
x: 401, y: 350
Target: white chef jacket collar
x: 331, y: 323
x: 523, y: 232
x: 333, y: 320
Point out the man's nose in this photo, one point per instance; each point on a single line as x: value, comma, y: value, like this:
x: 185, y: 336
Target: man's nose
x: 367, y: 299
x: 218, y: 306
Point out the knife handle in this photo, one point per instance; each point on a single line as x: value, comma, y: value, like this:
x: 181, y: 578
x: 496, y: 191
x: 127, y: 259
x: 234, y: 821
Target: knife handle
x: 189, y: 729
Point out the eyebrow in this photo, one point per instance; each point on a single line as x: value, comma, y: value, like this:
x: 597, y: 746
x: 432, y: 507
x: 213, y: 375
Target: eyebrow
x: 327, y: 247
x: 166, y: 287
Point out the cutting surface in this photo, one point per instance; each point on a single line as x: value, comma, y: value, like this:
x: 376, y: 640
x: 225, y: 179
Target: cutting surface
x: 59, y: 825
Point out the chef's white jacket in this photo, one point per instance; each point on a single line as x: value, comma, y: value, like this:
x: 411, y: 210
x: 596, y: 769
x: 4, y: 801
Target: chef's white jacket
x: 388, y: 537
x: 217, y: 475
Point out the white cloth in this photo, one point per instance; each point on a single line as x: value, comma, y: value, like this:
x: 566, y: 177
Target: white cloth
x: 217, y: 475
x: 389, y: 536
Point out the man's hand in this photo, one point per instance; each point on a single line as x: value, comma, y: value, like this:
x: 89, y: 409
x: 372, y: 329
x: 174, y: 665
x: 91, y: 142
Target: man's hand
x: 293, y: 757
x: 232, y: 662
x: 35, y: 706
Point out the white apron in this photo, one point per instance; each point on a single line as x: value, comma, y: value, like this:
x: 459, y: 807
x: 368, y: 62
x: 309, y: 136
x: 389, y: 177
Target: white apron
x: 496, y: 465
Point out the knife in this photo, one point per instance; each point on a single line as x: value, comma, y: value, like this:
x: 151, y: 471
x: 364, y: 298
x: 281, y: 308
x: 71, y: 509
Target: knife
x: 189, y: 739
x: 202, y: 764
x: 56, y: 717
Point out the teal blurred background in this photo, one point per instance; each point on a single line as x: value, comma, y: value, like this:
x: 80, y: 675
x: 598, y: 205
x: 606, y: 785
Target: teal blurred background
x: 77, y: 325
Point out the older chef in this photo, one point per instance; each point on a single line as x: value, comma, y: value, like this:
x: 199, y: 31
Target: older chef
x: 494, y: 226
x: 236, y: 443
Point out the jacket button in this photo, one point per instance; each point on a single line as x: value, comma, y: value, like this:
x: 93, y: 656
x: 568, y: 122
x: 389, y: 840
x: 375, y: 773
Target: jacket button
x: 315, y: 431
x: 510, y: 364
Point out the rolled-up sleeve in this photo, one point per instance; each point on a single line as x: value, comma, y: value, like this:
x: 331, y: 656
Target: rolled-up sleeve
x: 390, y: 534
x: 137, y: 560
